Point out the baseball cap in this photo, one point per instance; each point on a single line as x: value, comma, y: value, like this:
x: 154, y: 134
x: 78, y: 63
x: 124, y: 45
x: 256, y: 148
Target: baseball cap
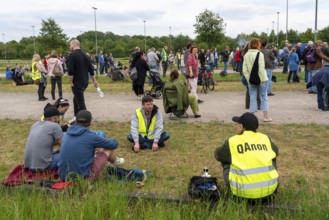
x: 50, y: 112
x: 248, y: 120
x: 83, y: 116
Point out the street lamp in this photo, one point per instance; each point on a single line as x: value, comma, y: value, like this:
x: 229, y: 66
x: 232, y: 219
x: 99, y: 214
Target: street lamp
x: 4, y: 47
x: 169, y: 39
x: 277, y: 31
x: 33, y: 39
x: 316, y: 21
x: 95, y: 32
x: 273, y: 32
x: 287, y: 23
x: 144, y: 37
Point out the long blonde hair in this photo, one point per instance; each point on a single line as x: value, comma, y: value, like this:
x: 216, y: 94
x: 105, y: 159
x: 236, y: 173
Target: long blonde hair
x: 35, y: 56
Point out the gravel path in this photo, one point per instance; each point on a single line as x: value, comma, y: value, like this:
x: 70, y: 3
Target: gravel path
x: 284, y: 107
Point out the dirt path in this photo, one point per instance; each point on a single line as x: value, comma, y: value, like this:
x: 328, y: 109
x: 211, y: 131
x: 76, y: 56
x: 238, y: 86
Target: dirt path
x: 284, y: 107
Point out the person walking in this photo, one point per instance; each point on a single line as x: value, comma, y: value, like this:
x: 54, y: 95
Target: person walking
x: 52, y: 61
x: 269, y: 58
x: 79, y: 65
x: 142, y: 67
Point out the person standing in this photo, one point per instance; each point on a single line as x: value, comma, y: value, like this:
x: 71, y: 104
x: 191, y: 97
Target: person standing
x: 306, y: 50
x: 285, y: 58
x: 178, y: 57
x: 216, y: 58
x: 39, y: 77
x: 79, y: 65
x: 192, y: 71
x: 293, y: 61
x: 164, y: 59
x: 225, y: 57
x: 52, y: 61
x: 237, y: 59
x: 248, y: 62
x: 269, y: 58
x: 249, y: 161
x: 142, y: 67
x: 152, y: 59
x: 202, y: 58
x: 101, y: 62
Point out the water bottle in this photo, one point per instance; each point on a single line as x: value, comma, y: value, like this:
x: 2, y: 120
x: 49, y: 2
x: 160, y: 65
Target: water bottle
x: 100, y: 93
x: 205, y: 172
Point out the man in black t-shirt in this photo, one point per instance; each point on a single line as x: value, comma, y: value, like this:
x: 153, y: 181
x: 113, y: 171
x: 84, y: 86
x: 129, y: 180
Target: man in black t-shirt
x: 79, y: 65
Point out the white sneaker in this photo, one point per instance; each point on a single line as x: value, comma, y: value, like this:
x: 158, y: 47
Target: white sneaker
x: 119, y: 160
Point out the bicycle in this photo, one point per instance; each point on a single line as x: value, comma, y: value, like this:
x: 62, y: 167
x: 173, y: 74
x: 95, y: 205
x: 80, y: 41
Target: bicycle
x: 208, y: 81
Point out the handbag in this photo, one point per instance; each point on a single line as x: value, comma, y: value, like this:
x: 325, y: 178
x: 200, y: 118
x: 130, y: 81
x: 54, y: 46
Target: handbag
x: 254, y: 77
x: 133, y: 74
x: 37, y: 82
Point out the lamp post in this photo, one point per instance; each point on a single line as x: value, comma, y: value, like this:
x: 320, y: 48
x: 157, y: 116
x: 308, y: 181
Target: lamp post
x: 4, y: 47
x: 33, y: 40
x: 277, y: 31
x: 316, y: 21
x: 144, y: 36
x: 169, y: 39
x: 95, y: 32
x: 287, y: 23
x: 273, y: 32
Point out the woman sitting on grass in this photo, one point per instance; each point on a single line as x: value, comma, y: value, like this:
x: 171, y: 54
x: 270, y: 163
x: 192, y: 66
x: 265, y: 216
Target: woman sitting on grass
x: 62, y: 105
x: 182, y: 93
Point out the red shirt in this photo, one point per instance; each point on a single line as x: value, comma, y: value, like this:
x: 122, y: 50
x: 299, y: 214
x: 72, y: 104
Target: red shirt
x: 45, y: 62
x: 237, y: 56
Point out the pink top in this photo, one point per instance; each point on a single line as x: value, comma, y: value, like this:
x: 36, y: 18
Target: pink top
x: 51, y: 65
x: 192, y: 61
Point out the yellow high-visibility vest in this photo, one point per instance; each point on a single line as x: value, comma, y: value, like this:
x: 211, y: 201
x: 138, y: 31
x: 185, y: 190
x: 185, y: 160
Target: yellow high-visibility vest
x: 142, y: 126
x: 36, y: 74
x: 252, y: 174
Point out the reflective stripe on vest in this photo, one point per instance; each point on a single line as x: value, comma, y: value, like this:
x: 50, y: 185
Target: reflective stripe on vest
x: 35, y: 72
x: 252, y: 174
x: 142, y: 126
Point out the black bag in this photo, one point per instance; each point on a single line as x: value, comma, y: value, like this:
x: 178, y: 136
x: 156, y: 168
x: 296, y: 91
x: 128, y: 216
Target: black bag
x: 204, y: 188
x: 254, y: 77
x: 133, y: 74
x: 128, y: 175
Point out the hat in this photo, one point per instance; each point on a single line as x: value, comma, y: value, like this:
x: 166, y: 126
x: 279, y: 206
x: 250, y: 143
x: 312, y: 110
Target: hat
x: 83, y: 116
x: 248, y: 120
x: 310, y: 43
x: 50, y: 112
x: 319, y: 42
x: 63, y: 102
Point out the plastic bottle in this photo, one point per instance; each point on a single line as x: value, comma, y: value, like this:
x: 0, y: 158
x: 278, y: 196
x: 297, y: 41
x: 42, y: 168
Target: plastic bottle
x: 100, y: 93
x: 205, y: 172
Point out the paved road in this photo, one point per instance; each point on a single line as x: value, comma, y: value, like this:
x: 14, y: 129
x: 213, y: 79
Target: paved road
x: 284, y: 107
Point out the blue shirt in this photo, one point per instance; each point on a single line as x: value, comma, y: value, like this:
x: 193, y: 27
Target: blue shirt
x: 77, y: 151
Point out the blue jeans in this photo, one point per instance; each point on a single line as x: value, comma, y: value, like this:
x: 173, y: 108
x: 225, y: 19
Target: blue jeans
x: 262, y: 95
x: 311, y: 74
x: 225, y: 67
x: 269, y: 82
x: 54, y: 160
x: 147, y: 143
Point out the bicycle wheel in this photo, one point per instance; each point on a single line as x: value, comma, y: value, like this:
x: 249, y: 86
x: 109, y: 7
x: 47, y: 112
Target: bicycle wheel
x: 211, y: 84
x: 205, y: 84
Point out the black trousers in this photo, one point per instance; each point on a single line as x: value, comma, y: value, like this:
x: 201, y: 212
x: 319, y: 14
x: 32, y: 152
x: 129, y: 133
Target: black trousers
x: 41, y: 90
x: 79, y: 98
x: 54, y: 80
x: 164, y: 67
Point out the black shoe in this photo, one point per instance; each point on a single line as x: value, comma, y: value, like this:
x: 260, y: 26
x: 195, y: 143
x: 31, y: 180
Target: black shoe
x: 270, y: 94
x: 200, y: 101
x: 45, y: 98
x: 42, y: 99
x: 197, y: 116
x: 162, y: 144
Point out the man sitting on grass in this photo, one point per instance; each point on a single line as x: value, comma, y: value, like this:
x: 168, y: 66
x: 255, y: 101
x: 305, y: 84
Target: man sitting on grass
x: 77, y: 155
x: 147, y: 127
x: 43, y: 136
x: 249, y: 161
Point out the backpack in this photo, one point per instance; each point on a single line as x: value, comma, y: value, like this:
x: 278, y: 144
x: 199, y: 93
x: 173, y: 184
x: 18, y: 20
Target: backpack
x: 311, y: 55
x: 204, y: 188
x: 128, y: 175
x: 57, y: 71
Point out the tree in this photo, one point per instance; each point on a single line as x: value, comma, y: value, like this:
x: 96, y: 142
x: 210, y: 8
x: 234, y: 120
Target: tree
x: 52, y: 36
x: 324, y: 34
x: 293, y: 36
x: 210, y: 28
x: 307, y: 35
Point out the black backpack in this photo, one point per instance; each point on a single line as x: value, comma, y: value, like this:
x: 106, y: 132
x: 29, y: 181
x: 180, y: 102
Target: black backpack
x: 203, y: 187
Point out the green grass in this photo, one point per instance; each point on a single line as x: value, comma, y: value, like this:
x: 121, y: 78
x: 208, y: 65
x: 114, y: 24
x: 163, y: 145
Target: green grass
x: 303, y: 168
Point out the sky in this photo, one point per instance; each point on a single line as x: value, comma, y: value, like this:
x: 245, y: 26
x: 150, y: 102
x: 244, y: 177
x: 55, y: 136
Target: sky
x: 126, y: 17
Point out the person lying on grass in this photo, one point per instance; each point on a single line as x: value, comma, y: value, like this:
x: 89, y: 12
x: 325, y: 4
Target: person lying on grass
x: 43, y: 136
x: 77, y: 154
x: 147, y: 127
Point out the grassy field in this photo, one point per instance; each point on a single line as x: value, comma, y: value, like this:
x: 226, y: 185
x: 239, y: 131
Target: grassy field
x: 303, y: 191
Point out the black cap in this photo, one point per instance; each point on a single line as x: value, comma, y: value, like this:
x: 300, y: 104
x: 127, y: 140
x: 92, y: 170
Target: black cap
x: 248, y: 120
x: 83, y: 117
x: 50, y: 112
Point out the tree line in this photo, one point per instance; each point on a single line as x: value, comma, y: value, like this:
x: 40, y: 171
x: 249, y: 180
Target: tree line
x: 209, y: 30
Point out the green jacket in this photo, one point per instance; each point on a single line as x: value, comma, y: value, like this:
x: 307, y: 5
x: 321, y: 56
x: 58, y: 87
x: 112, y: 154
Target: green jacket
x: 175, y: 97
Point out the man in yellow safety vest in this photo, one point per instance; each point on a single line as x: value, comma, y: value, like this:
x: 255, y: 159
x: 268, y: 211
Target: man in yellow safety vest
x: 249, y: 161
x: 147, y: 127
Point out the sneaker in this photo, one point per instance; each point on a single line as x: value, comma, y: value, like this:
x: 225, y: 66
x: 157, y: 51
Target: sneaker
x: 270, y: 94
x: 119, y: 160
x: 197, y: 116
x: 267, y: 119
